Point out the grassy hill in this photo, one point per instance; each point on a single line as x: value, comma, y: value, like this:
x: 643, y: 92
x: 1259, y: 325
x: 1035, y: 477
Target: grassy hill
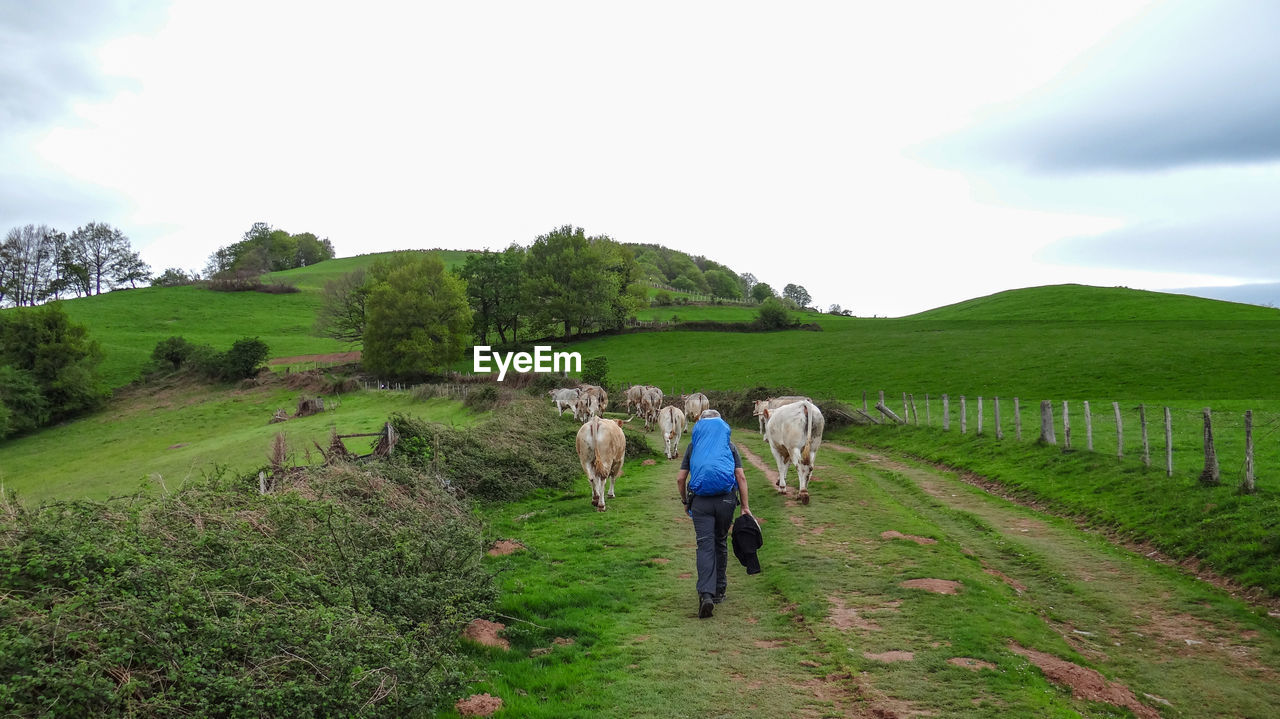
x: 1081, y: 302
x: 1224, y: 353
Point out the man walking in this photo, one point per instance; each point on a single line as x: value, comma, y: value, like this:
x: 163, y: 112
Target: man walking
x: 712, y: 461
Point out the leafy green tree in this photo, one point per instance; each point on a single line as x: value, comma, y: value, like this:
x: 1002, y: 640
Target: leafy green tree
x: 129, y: 268
x: 58, y: 356
x: 173, y: 351
x: 418, y: 318
x: 98, y: 247
x: 22, y: 405
x: 343, y: 307
x: 494, y: 281
x: 723, y: 284
x: 797, y: 294
x: 762, y: 291
x: 173, y: 277
x: 567, y: 279
x: 595, y: 370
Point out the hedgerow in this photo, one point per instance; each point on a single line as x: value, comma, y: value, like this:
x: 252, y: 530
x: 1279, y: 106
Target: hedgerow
x: 342, y: 593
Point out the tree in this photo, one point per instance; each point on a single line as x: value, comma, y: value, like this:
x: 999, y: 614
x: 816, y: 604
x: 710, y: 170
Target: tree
x: 28, y: 264
x: 244, y: 358
x: 797, y: 294
x: 723, y: 284
x: 263, y: 248
x: 343, y: 307
x: 494, y: 281
x: 130, y: 268
x: 418, y: 318
x: 762, y: 291
x: 835, y: 310
x: 57, y: 356
x: 748, y: 281
x: 567, y: 279
x: 174, y: 277
x: 98, y: 247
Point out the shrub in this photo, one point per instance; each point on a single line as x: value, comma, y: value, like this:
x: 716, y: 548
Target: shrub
x: 482, y: 397
x: 341, y: 594
x: 637, y: 444
x: 595, y: 370
x: 520, y: 449
x: 173, y: 351
x: 244, y: 358
x: 661, y: 298
x: 773, y: 315
x: 246, y: 281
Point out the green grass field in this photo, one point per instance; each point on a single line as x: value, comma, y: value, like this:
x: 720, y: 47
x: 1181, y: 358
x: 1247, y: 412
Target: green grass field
x: 186, y: 430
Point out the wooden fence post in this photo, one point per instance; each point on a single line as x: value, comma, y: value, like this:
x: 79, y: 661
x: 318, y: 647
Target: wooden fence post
x: 1210, y: 474
x: 1248, y: 486
x: 979, y: 414
x: 928, y: 413
x: 995, y: 405
x: 1119, y: 430
x: 1088, y: 426
x: 1168, y: 443
x: 946, y: 413
x: 864, y: 400
x: 915, y: 416
x: 964, y: 415
x: 1046, y: 422
x: 906, y: 410
x: 1066, y: 426
x: 1017, y: 419
x: 1146, y: 442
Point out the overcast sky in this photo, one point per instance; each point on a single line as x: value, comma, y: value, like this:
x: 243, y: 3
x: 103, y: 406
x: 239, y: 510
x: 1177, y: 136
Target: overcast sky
x: 889, y: 156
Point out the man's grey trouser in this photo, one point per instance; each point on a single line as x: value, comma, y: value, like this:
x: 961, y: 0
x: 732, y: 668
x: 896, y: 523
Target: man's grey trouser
x: 712, y: 518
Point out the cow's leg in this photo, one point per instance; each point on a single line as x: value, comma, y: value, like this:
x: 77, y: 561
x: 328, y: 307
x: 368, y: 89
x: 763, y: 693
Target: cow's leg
x: 614, y: 471
x: 804, y: 468
x: 760, y: 417
x: 781, y: 482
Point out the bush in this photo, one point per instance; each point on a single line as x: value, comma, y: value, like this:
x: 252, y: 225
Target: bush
x: 773, y: 315
x: 246, y: 281
x: 341, y: 594
x: 520, y: 449
x: 661, y: 298
x: 244, y: 358
x: 173, y: 351
x: 637, y: 444
x: 595, y: 370
x: 481, y: 397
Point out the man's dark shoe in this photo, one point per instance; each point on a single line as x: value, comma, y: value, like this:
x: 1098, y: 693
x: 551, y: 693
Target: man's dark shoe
x: 706, y: 605
x: 716, y: 599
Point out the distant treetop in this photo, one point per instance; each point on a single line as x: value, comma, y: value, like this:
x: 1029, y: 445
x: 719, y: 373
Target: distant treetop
x: 266, y: 249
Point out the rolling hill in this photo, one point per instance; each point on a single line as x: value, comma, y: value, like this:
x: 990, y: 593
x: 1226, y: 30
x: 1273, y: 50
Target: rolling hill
x: 1085, y: 303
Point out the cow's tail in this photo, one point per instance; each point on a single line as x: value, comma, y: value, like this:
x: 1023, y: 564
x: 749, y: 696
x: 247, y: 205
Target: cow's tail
x: 601, y: 470
x: 808, y: 427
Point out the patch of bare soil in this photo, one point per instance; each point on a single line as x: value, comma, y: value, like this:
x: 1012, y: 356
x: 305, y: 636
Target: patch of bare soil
x: 844, y: 617
x: 563, y: 642
x: 970, y: 663
x: 485, y: 632
x: 894, y: 534
x: 1018, y: 587
x: 770, y: 643
x: 648, y: 463
x: 478, y: 705
x: 179, y: 445
x: 503, y: 547
x: 1186, y: 635
x: 686, y: 575
x: 660, y: 560
x: 331, y: 358
x: 754, y: 459
x: 895, y: 655
x: 938, y: 586
x: 836, y: 447
x: 796, y: 519
x: 1085, y: 683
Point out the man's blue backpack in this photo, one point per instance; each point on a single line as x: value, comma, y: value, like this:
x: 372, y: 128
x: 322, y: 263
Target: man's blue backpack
x: 710, y: 458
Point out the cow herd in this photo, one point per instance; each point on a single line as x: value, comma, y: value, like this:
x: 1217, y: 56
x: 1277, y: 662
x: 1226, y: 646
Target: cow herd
x: 791, y: 425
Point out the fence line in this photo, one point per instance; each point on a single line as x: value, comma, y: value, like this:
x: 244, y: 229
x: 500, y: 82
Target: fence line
x: 1211, y: 437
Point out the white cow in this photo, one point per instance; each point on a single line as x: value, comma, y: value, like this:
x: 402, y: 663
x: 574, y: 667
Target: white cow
x: 565, y: 398
x: 671, y: 424
x: 591, y: 402
x: 794, y: 432
x: 695, y: 404
x: 773, y: 403
x: 634, y: 394
x: 650, y: 404
x: 601, y: 449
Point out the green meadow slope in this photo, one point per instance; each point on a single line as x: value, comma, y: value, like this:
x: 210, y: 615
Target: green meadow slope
x: 1184, y: 348
x: 129, y: 323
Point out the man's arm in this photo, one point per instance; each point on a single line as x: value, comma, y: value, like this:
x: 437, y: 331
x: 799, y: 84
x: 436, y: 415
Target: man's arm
x: 742, y: 489
x: 681, y: 477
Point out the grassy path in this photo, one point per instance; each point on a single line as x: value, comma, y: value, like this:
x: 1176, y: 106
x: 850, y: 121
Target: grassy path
x: 844, y: 622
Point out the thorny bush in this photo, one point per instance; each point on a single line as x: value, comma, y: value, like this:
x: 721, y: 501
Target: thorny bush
x: 343, y: 593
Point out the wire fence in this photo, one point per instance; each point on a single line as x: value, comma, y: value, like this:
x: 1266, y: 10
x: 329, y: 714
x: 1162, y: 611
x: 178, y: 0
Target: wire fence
x: 1232, y: 444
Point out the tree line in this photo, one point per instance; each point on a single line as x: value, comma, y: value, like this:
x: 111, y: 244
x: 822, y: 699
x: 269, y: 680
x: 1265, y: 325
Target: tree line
x: 264, y: 248
x: 39, y: 263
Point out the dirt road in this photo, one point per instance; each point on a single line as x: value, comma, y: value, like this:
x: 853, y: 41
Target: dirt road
x: 899, y: 591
